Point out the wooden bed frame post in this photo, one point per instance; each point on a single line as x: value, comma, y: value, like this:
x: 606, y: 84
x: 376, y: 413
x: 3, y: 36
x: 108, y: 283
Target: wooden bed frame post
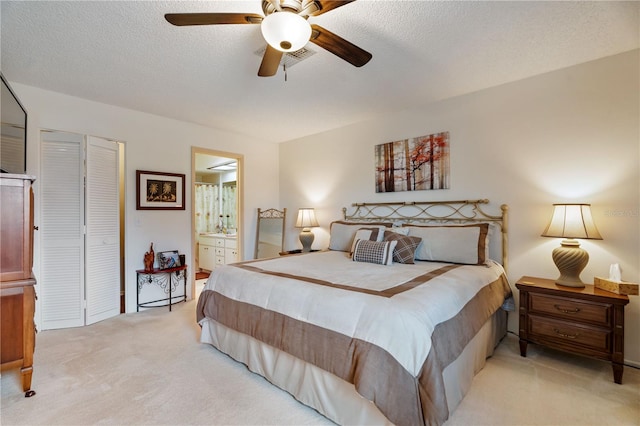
x: 505, y: 238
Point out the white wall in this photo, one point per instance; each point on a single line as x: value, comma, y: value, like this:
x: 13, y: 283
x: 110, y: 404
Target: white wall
x: 571, y: 135
x: 151, y: 143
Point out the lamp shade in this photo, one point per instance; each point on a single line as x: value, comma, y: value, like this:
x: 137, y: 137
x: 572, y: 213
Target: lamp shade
x: 572, y: 221
x: 306, y: 218
x: 286, y: 31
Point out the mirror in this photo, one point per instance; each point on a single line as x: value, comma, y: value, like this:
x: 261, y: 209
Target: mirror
x: 270, y: 233
x: 13, y: 142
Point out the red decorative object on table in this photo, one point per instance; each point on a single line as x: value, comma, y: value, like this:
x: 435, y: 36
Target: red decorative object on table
x: 149, y: 258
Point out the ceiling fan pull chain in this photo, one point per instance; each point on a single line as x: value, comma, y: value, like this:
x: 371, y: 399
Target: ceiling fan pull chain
x: 284, y: 68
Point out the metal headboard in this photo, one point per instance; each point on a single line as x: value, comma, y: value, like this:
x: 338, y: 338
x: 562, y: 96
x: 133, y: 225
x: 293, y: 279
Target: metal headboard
x: 463, y: 211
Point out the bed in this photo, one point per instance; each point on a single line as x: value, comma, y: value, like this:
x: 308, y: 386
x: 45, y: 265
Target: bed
x: 387, y: 326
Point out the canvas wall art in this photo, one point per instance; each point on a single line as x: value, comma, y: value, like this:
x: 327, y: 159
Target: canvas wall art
x: 414, y: 164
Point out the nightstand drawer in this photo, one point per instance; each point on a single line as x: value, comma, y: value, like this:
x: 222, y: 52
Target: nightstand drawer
x: 571, y: 333
x: 574, y: 310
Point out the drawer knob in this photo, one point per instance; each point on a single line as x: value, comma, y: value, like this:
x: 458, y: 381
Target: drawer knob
x: 566, y: 311
x: 565, y: 335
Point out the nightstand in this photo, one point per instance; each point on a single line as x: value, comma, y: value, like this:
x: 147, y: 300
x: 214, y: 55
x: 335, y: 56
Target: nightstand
x: 586, y: 321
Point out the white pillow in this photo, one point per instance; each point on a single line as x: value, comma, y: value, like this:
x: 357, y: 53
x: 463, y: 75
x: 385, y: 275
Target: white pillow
x: 342, y: 233
x: 380, y: 252
x: 398, y: 230
x: 468, y: 244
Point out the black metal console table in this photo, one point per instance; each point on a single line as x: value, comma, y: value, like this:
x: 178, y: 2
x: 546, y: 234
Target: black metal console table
x: 168, y: 280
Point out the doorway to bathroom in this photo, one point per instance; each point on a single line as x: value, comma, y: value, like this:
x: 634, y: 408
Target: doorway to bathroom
x: 217, y: 200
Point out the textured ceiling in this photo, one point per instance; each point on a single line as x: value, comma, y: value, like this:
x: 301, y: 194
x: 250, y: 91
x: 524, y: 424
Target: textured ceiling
x: 124, y: 53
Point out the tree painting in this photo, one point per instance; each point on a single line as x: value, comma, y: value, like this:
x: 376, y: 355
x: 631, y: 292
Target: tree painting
x: 413, y: 164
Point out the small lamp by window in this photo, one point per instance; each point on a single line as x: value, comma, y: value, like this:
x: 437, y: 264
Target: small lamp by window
x: 571, y: 221
x: 306, y: 219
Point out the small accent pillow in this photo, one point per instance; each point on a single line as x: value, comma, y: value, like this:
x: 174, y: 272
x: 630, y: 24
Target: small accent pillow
x: 342, y: 233
x: 405, y: 250
x: 371, y: 234
x: 380, y: 252
x: 467, y: 244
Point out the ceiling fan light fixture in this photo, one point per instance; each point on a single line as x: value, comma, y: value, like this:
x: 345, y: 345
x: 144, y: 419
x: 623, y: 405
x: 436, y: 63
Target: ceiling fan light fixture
x: 286, y: 31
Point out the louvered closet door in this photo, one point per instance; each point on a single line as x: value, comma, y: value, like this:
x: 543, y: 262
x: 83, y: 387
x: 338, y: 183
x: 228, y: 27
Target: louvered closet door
x: 61, y: 230
x: 102, y: 283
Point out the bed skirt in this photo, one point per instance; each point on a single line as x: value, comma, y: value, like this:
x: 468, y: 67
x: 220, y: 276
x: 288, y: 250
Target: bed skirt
x: 333, y: 397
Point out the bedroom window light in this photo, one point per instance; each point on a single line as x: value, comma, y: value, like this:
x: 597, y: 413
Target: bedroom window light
x: 571, y: 221
x: 306, y: 220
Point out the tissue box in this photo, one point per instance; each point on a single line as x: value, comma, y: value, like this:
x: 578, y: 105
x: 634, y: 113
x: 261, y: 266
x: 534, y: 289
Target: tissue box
x: 617, y: 287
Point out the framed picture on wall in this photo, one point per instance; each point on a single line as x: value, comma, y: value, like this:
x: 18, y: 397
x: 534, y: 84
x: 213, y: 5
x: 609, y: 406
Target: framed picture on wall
x: 413, y: 164
x: 169, y: 259
x: 159, y: 191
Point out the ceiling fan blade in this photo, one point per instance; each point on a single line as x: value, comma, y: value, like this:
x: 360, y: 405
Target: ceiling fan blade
x: 339, y: 46
x: 324, y: 6
x: 181, y: 19
x: 270, y: 62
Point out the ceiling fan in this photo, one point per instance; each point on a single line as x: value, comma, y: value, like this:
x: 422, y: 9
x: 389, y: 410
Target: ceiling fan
x: 285, y: 28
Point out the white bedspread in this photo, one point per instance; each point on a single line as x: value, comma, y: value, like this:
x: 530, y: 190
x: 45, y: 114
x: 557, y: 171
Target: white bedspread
x: 348, y: 300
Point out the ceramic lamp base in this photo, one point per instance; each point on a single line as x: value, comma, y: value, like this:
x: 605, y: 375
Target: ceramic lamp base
x: 306, y: 238
x: 570, y: 260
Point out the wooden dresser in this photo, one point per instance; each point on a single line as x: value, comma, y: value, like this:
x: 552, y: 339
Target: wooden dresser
x: 586, y: 321
x: 17, y: 293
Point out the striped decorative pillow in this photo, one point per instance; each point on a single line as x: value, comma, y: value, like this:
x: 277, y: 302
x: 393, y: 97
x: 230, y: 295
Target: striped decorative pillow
x: 405, y: 250
x: 380, y: 252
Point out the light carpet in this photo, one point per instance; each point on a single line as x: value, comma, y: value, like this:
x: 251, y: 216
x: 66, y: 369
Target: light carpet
x: 148, y: 368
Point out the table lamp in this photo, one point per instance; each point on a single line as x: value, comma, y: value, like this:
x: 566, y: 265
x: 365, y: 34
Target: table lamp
x: 306, y: 219
x: 571, y: 221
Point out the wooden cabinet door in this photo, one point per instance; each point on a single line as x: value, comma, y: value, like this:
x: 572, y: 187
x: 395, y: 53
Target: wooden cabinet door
x: 16, y: 222
x: 207, y: 257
